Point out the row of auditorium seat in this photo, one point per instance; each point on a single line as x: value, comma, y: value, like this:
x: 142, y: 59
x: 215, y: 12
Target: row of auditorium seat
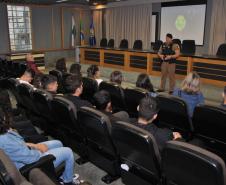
x: 91, y: 134
x: 122, y: 149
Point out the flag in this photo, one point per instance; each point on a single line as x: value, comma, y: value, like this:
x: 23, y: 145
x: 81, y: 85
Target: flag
x: 92, y: 39
x: 82, y: 37
x: 73, y: 31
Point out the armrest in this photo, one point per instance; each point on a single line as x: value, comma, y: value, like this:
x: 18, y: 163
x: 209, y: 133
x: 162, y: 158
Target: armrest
x: 44, y: 163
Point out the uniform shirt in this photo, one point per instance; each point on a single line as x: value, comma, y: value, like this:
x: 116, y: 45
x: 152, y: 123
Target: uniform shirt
x: 78, y: 102
x: 15, y: 147
x: 166, y: 49
x: 161, y: 135
x: 192, y: 100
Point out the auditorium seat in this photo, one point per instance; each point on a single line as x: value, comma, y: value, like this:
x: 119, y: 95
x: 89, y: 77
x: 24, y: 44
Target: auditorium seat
x: 117, y: 95
x: 68, y: 128
x: 221, y: 52
x: 37, y: 177
x: 188, y: 47
x: 174, y: 115
x: 59, y: 77
x: 177, y: 41
x: 157, y: 45
x: 139, y: 155
x: 185, y: 164
x: 111, y: 43
x: 103, y: 42
x: 138, y: 45
x: 210, y: 125
x: 124, y: 44
x: 90, y: 87
x: 132, y: 99
x: 101, y: 150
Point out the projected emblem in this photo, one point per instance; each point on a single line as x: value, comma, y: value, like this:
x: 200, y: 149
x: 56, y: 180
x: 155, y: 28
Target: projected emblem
x: 180, y: 22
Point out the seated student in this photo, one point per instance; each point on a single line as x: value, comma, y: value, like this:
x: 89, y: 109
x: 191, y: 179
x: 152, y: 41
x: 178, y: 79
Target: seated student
x: 61, y: 65
x: 148, y: 112
x: 75, y: 69
x: 190, y: 92
x: 143, y: 81
x: 26, y: 77
x: 49, y: 83
x: 22, y: 153
x: 94, y: 72
x: 116, y: 77
x: 31, y: 64
x: 37, y: 81
x: 73, y: 85
x: 102, y: 101
x: 224, y: 98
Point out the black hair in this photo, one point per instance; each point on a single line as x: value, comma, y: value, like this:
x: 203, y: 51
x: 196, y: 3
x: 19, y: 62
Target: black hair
x: 101, y: 99
x: 37, y: 81
x: 47, y: 79
x: 116, y: 76
x: 5, y: 120
x: 148, y: 107
x: 143, y: 81
x: 169, y: 35
x: 72, y: 83
x: 28, y: 70
x: 75, y: 69
x: 91, y: 71
x: 61, y: 65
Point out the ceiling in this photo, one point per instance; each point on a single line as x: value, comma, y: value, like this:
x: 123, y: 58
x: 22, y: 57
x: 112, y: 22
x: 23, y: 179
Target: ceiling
x: 48, y: 2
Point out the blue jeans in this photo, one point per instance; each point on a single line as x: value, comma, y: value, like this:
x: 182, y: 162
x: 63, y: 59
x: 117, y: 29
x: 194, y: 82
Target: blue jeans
x: 62, y: 154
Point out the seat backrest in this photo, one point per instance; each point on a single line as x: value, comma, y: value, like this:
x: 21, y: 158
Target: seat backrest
x: 124, y: 44
x: 174, y: 114
x: 37, y: 177
x: 66, y: 113
x: 117, y: 94
x: 90, y: 87
x: 42, y: 100
x: 157, y: 45
x: 103, y: 42
x: 222, y: 50
x: 111, y: 43
x: 132, y: 99
x: 177, y: 41
x: 9, y: 175
x: 97, y: 129
x: 138, y: 45
x: 185, y: 164
x: 138, y: 150
x: 188, y: 47
x: 210, y: 124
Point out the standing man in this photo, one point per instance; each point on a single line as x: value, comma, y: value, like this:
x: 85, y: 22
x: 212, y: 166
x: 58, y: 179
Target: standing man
x: 168, y: 53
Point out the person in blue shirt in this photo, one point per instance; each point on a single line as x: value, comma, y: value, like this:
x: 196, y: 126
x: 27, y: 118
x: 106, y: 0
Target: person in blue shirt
x: 144, y: 81
x: 224, y: 98
x: 190, y: 92
x: 22, y: 153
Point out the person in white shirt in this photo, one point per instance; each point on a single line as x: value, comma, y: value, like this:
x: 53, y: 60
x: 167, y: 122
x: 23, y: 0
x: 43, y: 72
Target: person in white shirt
x: 94, y: 72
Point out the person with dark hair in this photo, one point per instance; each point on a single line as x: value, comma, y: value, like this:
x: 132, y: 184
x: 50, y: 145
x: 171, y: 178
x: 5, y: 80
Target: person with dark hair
x: 49, y: 83
x: 168, y: 53
x: 224, y: 98
x: 116, y: 77
x: 27, y: 77
x: 22, y: 153
x: 37, y: 81
x: 75, y: 69
x: 31, y: 64
x: 74, y: 87
x: 61, y: 65
x: 143, y: 81
x: 94, y: 72
x: 147, y: 113
x: 102, y: 101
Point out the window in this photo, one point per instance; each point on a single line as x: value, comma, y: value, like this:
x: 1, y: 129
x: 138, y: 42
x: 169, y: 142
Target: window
x: 19, y: 27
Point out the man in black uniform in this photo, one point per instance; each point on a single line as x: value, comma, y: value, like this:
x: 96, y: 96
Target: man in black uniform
x: 168, y: 53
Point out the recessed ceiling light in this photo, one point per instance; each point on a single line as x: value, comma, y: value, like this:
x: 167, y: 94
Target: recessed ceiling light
x: 60, y: 1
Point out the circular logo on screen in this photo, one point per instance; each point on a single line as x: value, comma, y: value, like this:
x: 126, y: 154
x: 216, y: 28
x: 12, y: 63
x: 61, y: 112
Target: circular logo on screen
x: 180, y: 22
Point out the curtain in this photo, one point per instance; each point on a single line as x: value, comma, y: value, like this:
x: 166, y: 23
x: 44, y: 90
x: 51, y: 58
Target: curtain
x: 97, y: 21
x: 218, y: 26
x: 131, y: 23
